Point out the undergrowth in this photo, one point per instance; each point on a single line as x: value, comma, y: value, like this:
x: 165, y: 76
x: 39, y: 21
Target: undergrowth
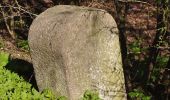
x: 13, y: 87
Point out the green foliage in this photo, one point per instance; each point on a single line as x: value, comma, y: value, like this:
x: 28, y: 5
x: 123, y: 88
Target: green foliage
x: 13, y: 87
x: 161, y: 63
x: 3, y: 59
x: 138, y: 95
x: 135, y: 47
x: 23, y: 44
x: 48, y: 94
x: 1, y: 44
x: 91, y: 95
x: 62, y: 98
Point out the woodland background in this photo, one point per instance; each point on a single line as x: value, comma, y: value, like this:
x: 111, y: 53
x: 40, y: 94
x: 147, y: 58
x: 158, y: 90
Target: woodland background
x: 144, y: 28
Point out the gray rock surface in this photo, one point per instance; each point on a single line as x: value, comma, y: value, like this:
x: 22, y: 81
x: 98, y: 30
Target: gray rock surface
x: 75, y: 49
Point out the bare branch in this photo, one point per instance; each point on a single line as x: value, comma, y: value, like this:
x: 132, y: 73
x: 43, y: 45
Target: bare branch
x: 19, y: 8
x: 131, y: 1
x: 11, y: 32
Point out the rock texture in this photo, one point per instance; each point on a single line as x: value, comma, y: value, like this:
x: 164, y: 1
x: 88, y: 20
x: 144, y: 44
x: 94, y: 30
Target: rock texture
x: 75, y: 49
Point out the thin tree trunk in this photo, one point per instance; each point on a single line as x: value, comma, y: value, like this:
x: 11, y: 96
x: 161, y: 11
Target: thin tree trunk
x: 120, y: 19
x: 154, y: 50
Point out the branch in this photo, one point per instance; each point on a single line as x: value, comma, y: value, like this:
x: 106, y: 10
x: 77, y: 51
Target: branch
x: 131, y: 1
x: 20, y: 9
x: 6, y: 23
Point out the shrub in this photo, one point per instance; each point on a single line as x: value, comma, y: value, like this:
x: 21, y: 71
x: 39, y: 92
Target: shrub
x: 91, y: 95
x: 137, y: 94
x: 13, y: 87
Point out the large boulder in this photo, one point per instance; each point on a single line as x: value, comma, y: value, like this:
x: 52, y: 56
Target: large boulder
x: 75, y: 49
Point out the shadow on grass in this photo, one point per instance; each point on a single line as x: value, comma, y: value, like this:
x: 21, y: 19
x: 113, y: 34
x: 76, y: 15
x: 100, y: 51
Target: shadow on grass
x: 23, y: 69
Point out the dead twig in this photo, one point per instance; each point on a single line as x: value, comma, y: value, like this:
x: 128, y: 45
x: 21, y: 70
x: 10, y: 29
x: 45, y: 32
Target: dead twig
x: 11, y: 32
x: 19, y: 8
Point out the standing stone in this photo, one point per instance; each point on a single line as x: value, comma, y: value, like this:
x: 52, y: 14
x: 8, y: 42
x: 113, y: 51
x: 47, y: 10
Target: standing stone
x: 75, y: 49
